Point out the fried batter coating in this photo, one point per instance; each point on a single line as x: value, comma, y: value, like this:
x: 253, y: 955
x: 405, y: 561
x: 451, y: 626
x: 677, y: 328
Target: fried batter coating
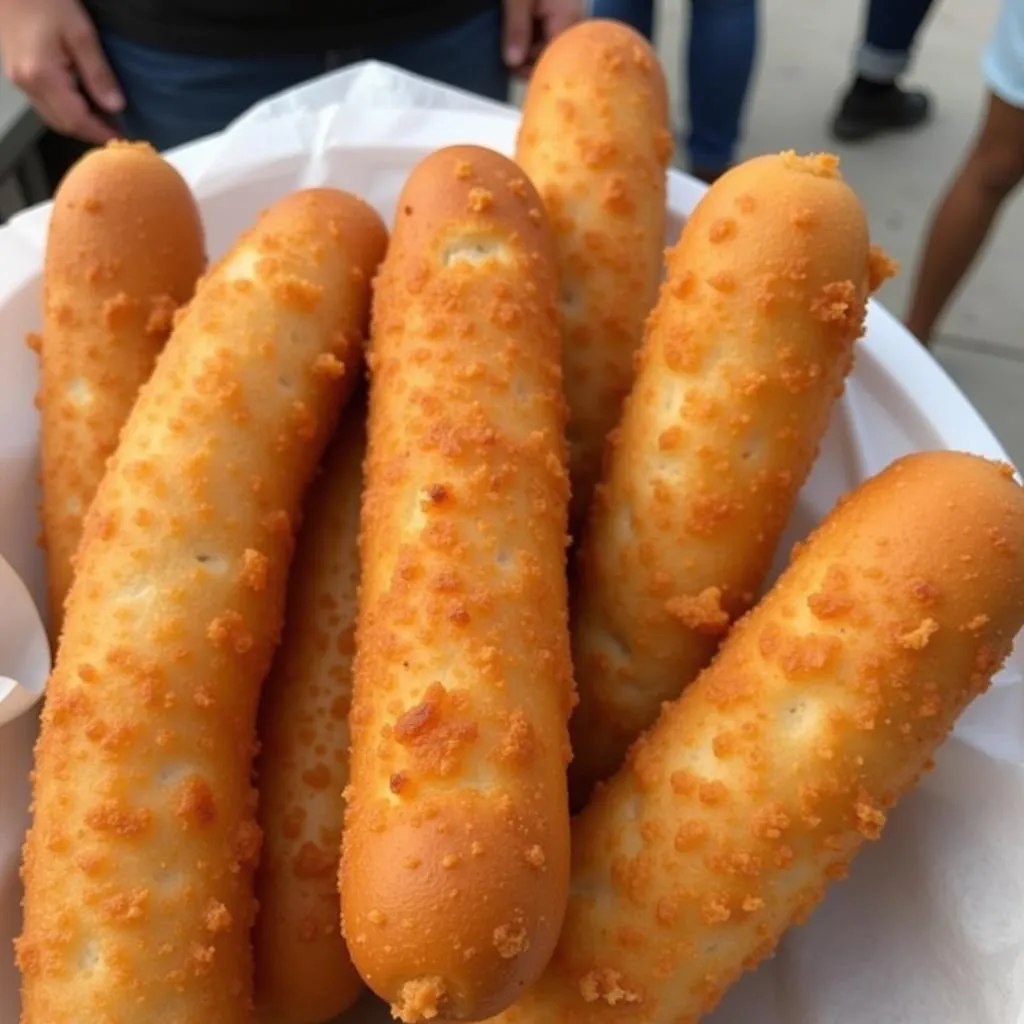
x: 743, y: 359
x: 455, y: 849
x: 303, y: 971
x: 124, y: 251
x: 596, y: 143
x: 138, y: 865
x: 756, y: 788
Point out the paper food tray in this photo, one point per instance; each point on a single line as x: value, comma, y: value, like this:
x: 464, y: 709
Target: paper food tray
x: 929, y: 929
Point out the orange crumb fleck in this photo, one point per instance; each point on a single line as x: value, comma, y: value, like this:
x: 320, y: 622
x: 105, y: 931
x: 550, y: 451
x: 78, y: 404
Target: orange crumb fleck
x: 510, y: 940
x: 162, y: 309
x: 255, y: 566
x: 229, y: 630
x: 421, y: 998
x: 723, y: 229
x: 881, y: 267
x: 703, y: 613
x: 977, y: 624
x: 196, y: 807
x: 217, y: 917
x: 606, y: 985
x: 535, y: 857
x: 480, y: 200
x: 715, y: 910
x: 870, y: 820
x: 917, y: 639
x: 329, y: 366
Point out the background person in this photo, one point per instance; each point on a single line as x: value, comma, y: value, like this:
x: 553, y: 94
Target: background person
x: 875, y: 101
x: 990, y: 173
x: 170, y: 71
x: 719, y: 67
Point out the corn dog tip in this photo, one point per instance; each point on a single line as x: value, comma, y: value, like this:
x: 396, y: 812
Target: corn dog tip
x: 920, y: 500
x: 615, y: 40
x: 447, y: 861
x: 118, y: 202
x: 461, y: 187
x: 797, y: 189
x: 345, y: 215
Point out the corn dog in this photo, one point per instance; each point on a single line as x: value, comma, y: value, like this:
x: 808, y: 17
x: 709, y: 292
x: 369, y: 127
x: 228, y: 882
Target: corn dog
x: 124, y: 250
x: 595, y: 141
x: 455, y: 849
x: 756, y: 788
x: 303, y: 972
x: 743, y: 360
x: 137, y: 868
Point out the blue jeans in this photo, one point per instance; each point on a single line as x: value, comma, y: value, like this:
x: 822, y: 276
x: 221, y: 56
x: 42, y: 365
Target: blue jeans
x: 889, y: 33
x: 174, y: 98
x: 719, y: 66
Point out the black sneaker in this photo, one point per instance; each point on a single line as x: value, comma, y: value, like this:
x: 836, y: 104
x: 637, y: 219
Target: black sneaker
x: 862, y: 115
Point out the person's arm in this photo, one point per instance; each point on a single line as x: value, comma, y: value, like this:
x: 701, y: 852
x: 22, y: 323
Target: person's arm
x: 50, y: 50
x: 522, y: 41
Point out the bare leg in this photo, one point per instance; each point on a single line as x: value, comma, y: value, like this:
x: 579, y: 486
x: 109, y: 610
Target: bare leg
x: 992, y: 170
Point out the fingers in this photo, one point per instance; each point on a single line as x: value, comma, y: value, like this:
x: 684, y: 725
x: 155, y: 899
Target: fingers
x: 60, y: 103
x: 94, y: 73
x: 45, y: 72
x: 554, y: 17
x: 559, y: 15
x: 518, y: 31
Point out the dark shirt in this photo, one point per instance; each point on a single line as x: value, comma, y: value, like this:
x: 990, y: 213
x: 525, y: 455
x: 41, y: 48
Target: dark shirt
x: 232, y: 28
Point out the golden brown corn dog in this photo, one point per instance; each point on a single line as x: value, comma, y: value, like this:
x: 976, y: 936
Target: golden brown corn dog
x: 303, y: 971
x: 595, y: 141
x: 455, y: 850
x: 124, y: 250
x: 137, y: 868
x: 743, y: 360
x: 756, y: 788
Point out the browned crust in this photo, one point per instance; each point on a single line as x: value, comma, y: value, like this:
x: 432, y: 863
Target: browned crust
x: 596, y: 143
x: 124, y: 250
x: 755, y: 790
x: 137, y: 868
x: 302, y: 968
x: 455, y: 854
x: 743, y: 359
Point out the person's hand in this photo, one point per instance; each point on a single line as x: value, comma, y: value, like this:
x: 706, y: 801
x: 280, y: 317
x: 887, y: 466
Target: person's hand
x: 50, y: 50
x: 531, y: 24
